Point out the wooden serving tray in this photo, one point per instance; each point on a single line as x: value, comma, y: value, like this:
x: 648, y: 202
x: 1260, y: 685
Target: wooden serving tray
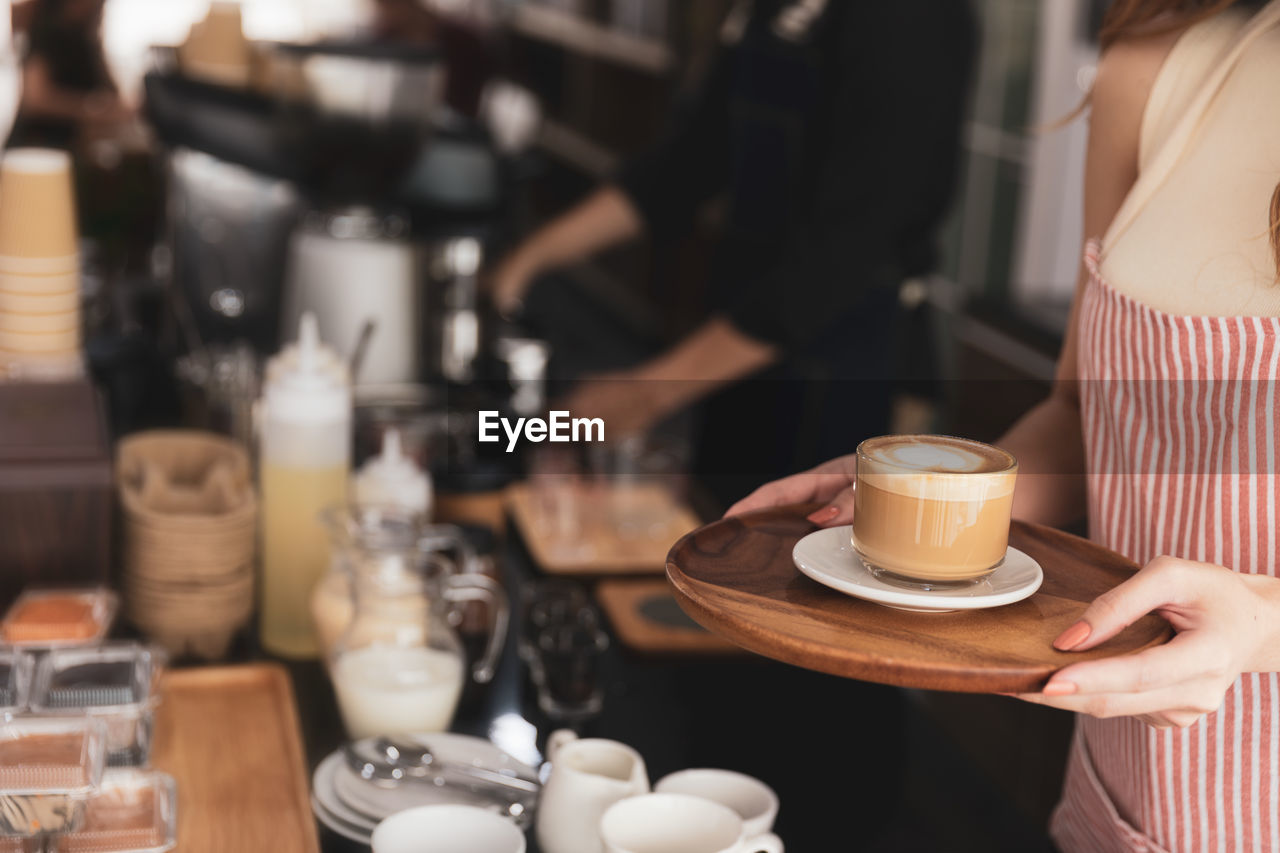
x: 229, y: 736
x: 599, y: 549
x: 638, y: 609
x: 736, y: 577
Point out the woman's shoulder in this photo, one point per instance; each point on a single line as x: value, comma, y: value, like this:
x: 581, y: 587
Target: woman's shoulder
x: 1126, y: 77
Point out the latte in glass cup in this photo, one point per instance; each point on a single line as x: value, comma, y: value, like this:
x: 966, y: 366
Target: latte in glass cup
x: 932, y: 509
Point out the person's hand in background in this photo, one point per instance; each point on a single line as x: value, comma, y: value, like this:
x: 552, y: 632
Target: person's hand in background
x: 627, y: 402
x: 831, y: 483
x: 631, y: 401
x: 508, y: 281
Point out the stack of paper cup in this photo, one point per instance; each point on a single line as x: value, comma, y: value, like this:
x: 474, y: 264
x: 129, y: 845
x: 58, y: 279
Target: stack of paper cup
x: 39, y: 267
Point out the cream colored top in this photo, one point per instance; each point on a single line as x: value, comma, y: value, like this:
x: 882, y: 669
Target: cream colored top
x: 1192, y: 238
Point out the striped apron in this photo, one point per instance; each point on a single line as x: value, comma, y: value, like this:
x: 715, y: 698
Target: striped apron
x: 1179, y: 417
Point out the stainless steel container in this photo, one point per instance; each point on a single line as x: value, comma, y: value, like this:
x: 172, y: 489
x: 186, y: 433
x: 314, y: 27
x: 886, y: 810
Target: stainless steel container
x: 351, y: 267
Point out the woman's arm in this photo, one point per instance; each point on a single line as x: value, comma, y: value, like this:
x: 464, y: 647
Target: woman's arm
x: 1047, y: 440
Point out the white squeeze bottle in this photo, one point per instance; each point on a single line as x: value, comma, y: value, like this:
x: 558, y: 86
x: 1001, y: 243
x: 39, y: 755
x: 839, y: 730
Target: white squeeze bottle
x: 305, y: 460
x: 393, y: 479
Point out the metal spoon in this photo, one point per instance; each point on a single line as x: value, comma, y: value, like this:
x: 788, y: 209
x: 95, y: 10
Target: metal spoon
x: 361, y: 349
x: 397, y: 761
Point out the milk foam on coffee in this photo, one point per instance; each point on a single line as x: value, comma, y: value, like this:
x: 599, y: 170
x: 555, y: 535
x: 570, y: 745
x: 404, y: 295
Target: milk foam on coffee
x: 933, y: 508
x: 926, y: 466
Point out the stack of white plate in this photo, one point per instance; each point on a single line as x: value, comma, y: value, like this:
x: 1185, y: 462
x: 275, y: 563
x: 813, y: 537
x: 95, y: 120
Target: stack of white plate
x: 352, y: 806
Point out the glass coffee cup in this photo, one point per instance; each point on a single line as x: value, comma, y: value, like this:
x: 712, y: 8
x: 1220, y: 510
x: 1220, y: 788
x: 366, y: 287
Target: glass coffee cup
x: 932, y: 511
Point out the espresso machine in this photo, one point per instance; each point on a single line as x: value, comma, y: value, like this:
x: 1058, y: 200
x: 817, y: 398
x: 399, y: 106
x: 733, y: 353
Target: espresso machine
x: 386, y: 206
x: 372, y: 252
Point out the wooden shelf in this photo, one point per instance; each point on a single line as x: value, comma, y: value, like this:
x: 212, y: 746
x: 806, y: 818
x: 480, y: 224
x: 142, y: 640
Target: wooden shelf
x: 591, y: 39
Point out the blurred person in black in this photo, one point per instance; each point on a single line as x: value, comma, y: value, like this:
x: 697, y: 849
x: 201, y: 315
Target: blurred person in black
x: 66, y: 87
x: 831, y: 131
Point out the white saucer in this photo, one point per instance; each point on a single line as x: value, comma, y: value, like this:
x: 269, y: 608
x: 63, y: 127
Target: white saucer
x: 827, y: 556
x: 338, y: 825
x: 324, y: 794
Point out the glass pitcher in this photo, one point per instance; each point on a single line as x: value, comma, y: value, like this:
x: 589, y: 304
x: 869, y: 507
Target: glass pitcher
x: 353, y: 530
x: 399, y: 666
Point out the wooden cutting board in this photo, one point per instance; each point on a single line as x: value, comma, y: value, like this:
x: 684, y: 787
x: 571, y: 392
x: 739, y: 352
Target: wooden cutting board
x: 597, y: 547
x: 736, y: 577
x: 229, y: 736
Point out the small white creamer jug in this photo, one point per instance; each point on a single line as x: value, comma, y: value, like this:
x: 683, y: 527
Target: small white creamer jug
x: 587, y: 777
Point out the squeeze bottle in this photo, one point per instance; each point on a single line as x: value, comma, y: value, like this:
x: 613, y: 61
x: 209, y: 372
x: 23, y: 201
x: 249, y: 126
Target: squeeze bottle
x: 305, y: 461
x: 392, y: 479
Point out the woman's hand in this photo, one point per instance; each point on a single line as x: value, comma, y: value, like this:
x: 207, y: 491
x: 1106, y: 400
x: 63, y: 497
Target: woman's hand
x: 1227, y: 623
x: 831, y: 482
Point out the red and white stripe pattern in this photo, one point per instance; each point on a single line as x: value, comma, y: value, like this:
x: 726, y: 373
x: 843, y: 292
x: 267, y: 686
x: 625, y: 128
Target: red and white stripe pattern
x: 1179, y: 417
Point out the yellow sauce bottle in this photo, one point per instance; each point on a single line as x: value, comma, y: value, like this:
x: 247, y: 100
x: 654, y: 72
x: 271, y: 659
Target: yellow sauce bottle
x: 304, y: 461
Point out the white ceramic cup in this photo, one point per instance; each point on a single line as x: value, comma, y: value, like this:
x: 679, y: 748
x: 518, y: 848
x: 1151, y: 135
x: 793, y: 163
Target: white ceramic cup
x: 679, y: 823
x: 754, y: 801
x: 447, y: 829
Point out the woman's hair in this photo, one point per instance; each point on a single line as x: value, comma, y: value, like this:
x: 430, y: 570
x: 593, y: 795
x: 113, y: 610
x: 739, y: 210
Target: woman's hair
x: 1147, y: 17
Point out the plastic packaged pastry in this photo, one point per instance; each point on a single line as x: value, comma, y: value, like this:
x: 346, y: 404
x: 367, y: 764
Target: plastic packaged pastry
x: 115, y: 682
x: 48, y: 769
x: 134, y: 811
x: 54, y: 618
x: 15, y: 682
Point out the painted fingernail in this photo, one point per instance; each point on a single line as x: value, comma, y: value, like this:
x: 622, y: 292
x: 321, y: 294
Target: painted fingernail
x: 824, y: 515
x: 1059, y: 688
x: 1072, y: 637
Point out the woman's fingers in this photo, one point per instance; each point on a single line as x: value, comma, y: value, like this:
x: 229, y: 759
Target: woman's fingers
x: 1170, y: 685
x: 1188, y: 656
x: 798, y: 488
x: 1155, y: 586
x: 838, y: 511
x: 1177, y: 705
x: 808, y: 487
